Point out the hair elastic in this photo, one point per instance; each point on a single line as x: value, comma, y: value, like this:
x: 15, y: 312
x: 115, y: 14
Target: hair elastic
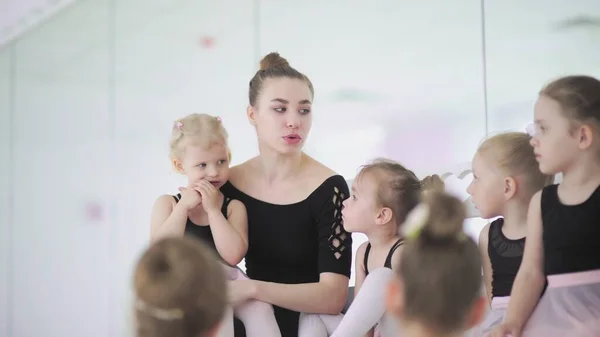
x: 179, y: 124
x: 218, y: 119
x: 164, y: 314
x: 415, y: 221
x: 530, y: 129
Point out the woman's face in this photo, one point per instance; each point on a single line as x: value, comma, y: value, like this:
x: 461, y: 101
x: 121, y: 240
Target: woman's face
x: 282, y: 114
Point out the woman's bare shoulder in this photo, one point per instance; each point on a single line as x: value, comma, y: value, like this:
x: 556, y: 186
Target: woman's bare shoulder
x: 318, y: 172
x: 241, y: 172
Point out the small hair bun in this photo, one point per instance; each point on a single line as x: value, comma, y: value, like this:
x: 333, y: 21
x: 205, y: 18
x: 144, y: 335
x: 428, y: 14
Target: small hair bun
x: 273, y: 60
x: 447, y: 215
x: 433, y: 183
x: 159, y: 265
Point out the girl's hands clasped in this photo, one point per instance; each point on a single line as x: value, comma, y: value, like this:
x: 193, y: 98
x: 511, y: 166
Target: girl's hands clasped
x: 201, y: 192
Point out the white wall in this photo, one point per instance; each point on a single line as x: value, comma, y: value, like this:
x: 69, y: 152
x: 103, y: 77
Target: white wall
x: 98, y: 86
x: 5, y: 189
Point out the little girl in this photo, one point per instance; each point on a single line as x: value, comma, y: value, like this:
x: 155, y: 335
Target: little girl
x: 199, y: 150
x: 382, y: 195
x: 563, y: 229
x: 505, y: 177
x: 438, y: 288
x: 180, y: 290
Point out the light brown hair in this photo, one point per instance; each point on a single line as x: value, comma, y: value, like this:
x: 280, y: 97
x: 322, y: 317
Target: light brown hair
x: 578, y: 95
x: 273, y: 66
x: 513, y: 154
x: 440, y: 268
x: 180, y: 289
x: 398, y: 187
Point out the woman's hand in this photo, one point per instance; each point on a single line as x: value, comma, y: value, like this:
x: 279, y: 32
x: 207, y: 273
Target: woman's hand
x: 241, y: 291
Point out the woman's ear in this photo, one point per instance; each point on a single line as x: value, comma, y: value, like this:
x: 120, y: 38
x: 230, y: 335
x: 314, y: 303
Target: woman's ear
x: 251, y: 113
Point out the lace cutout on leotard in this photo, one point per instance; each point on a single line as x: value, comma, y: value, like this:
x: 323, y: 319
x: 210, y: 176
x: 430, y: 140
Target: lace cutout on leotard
x: 338, y: 236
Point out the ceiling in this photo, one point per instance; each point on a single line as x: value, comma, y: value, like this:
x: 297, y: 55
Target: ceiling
x: 20, y: 16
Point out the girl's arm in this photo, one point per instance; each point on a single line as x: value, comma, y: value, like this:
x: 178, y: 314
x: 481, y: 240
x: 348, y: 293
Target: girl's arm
x: 231, y: 234
x: 361, y: 274
x: 360, y: 267
x: 487, y: 264
x: 530, y: 279
x: 168, y: 218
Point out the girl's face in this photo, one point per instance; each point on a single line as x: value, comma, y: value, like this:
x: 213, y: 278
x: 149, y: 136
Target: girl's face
x: 487, y: 188
x: 555, y: 142
x: 210, y: 164
x: 361, y: 209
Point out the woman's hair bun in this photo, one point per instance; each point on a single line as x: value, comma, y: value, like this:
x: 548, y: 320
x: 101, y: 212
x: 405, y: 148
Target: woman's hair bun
x: 273, y: 60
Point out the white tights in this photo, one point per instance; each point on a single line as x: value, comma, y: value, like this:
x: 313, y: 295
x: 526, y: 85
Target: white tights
x: 258, y: 317
x: 366, y: 311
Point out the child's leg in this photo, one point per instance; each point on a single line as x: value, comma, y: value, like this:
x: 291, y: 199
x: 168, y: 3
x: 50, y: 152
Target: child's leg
x: 387, y: 326
x: 368, y: 307
x: 258, y: 317
x: 226, y: 328
x: 311, y: 325
x: 332, y: 322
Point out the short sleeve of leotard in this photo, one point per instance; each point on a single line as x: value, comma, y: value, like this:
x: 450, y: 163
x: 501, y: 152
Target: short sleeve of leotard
x: 335, y: 244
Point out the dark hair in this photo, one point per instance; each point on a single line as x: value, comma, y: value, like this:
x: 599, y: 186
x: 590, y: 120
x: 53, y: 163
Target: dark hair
x: 578, y: 95
x: 273, y: 66
x: 180, y: 289
x: 399, y: 188
x: 441, y: 267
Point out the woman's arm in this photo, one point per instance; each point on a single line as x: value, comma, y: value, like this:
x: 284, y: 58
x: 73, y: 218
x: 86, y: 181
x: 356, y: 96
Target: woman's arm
x: 231, y: 234
x: 487, y: 264
x: 530, y: 279
x: 328, y: 296
x: 168, y: 219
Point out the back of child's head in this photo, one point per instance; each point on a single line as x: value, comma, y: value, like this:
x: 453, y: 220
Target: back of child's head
x: 180, y: 290
x: 513, y: 154
x: 197, y: 129
x: 440, y: 267
x: 398, y: 187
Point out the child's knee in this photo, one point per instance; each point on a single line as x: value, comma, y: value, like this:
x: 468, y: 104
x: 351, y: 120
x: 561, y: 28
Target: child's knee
x: 233, y: 273
x: 253, y: 309
x: 304, y: 317
x: 382, y: 272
